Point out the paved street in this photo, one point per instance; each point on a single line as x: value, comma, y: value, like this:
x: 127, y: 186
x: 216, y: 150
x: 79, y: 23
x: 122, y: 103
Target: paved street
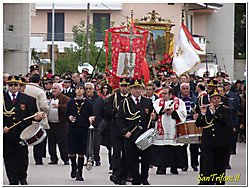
x: 59, y: 174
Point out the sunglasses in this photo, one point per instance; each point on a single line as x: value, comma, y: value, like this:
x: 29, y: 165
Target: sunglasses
x: 11, y: 85
x: 105, y: 87
x: 88, y: 88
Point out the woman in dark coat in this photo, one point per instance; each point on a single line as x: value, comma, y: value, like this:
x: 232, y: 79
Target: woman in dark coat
x: 79, y: 112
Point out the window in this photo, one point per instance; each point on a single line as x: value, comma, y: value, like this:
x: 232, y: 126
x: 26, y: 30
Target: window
x: 100, y: 25
x: 59, y: 30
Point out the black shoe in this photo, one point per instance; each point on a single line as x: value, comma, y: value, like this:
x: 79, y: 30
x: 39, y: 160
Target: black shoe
x: 195, y: 168
x: 129, y: 179
x: 73, y: 173
x: 174, y: 171
x: 122, y: 182
x: 185, y: 169
x: 228, y: 167
x: 115, y: 179
x: 79, y: 178
x: 53, y: 163
x: 97, y: 163
x: 66, y: 162
x: 160, y: 172
x: 145, y: 182
x: 23, y: 182
x: 135, y: 183
x: 39, y: 163
x: 14, y: 183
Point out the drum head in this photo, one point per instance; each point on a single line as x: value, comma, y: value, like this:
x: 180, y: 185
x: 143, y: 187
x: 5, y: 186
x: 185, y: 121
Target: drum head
x: 30, y: 131
x: 189, y: 139
x: 144, y: 135
x: 186, y: 122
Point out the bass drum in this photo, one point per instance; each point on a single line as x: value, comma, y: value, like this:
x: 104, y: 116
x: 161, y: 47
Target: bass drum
x: 33, y: 134
x: 188, y: 133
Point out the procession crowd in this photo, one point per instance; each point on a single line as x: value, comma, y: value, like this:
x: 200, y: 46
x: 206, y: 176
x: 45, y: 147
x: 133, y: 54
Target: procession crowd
x: 143, y: 125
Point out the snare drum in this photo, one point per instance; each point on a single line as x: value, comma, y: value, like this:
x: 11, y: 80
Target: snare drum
x: 188, y: 133
x: 145, y: 140
x: 33, y: 134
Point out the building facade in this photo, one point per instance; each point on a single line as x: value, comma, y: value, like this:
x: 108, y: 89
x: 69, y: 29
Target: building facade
x: 214, y: 22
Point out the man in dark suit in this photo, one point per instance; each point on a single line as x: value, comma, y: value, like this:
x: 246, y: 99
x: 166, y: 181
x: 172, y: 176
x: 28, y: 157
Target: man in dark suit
x: 48, y: 86
x: 17, y: 106
x: 215, y: 140
x: 133, y: 118
x: 119, y: 164
x: 68, y: 89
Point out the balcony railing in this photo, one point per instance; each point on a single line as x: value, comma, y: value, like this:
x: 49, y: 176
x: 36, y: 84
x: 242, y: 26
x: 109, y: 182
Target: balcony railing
x: 65, y: 37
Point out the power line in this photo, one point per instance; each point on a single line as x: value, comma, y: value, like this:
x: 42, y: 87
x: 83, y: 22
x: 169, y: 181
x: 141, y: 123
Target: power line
x: 115, y: 11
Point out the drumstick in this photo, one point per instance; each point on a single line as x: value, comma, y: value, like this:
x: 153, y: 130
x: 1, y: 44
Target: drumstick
x: 150, y: 120
x: 15, y: 124
x: 134, y: 129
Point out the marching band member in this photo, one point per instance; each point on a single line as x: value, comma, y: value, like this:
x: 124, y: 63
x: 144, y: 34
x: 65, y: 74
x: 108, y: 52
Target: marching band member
x: 17, y: 106
x: 119, y: 163
x: 68, y: 90
x: 216, y: 138
x: 133, y: 118
x: 80, y: 112
x: 167, y: 152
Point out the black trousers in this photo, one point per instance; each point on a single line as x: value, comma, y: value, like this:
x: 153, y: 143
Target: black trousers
x: 57, y: 135
x: 132, y: 155
x: 16, y: 160
x: 234, y: 141
x: 194, y: 149
x: 119, y: 163
x: 213, y: 162
x: 96, y: 145
x: 39, y: 150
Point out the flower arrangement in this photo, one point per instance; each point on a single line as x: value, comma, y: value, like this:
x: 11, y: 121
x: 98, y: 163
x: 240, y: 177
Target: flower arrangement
x: 166, y: 64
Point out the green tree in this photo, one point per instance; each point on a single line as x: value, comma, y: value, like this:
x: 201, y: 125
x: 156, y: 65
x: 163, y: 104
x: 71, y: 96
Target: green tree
x: 73, y: 56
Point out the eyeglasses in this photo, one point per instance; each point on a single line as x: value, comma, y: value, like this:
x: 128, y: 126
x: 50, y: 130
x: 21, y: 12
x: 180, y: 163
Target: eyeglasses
x: 89, y: 88
x: 164, y: 93
x: 11, y: 85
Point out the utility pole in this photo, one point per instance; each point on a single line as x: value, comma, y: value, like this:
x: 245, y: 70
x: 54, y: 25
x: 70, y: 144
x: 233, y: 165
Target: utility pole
x: 53, y: 39
x: 87, y: 33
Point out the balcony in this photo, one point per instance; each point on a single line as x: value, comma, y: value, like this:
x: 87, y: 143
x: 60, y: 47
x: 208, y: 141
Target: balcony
x: 63, y: 37
x: 40, y: 42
